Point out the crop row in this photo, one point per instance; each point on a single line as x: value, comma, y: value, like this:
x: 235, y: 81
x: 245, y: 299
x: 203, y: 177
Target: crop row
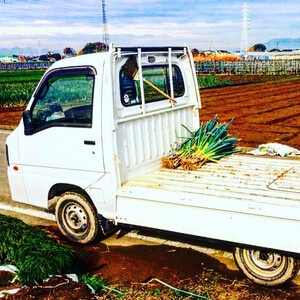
x: 14, y: 94
x: 20, y: 76
x: 16, y: 87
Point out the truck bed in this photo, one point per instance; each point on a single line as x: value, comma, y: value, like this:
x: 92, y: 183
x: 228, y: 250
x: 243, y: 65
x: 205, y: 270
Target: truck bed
x: 242, y: 199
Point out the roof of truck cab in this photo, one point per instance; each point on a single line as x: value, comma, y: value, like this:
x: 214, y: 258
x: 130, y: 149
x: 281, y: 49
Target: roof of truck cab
x: 94, y: 59
x: 152, y: 49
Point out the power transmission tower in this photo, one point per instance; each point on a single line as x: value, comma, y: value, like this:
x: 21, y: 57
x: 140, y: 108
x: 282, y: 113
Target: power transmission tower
x: 245, y: 27
x: 105, y: 36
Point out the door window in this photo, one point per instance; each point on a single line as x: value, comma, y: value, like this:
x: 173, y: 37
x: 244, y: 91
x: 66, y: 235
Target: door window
x: 64, y: 99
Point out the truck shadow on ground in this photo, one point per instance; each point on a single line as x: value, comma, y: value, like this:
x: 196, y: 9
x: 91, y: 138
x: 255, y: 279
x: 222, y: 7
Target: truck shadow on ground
x: 121, y: 262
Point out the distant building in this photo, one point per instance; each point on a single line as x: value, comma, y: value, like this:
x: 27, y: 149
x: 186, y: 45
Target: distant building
x: 7, y: 58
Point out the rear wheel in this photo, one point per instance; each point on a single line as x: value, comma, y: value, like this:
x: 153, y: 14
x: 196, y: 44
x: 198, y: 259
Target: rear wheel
x: 77, y: 218
x: 266, y: 267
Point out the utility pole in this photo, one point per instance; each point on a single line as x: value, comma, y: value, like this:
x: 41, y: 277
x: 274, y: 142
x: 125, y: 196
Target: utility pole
x: 105, y: 36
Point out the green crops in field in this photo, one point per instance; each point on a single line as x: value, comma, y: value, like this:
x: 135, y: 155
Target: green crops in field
x: 16, y: 87
x: 15, y: 94
x: 211, y: 81
x: 21, y: 76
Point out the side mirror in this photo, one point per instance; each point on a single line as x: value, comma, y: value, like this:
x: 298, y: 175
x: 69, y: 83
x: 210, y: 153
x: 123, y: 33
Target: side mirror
x: 28, y: 128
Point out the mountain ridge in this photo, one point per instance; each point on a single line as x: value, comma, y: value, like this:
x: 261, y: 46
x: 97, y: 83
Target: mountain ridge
x: 276, y: 43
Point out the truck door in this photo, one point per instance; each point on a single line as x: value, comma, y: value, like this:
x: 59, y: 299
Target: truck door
x: 63, y: 144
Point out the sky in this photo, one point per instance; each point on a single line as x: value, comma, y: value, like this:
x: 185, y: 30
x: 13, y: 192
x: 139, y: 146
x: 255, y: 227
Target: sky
x: 205, y: 25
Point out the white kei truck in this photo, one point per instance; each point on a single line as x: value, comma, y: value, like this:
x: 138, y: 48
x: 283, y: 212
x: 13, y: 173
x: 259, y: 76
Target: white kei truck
x: 89, y: 149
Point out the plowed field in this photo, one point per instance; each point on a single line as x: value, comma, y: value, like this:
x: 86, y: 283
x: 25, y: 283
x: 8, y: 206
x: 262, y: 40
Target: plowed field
x: 263, y: 112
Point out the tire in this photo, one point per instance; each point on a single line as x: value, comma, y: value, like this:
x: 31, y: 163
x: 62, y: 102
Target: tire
x: 77, y: 218
x: 266, y: 267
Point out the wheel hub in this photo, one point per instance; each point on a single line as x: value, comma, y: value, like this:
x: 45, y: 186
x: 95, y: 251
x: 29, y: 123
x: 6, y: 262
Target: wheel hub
x: 265, y: 260
x: 76, y: 217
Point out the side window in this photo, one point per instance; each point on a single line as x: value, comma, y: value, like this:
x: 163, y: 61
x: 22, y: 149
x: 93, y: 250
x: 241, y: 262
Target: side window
x: 158, y: 76
x: 65, y: 99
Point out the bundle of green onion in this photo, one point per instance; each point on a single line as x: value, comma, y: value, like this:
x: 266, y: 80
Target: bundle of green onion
x: 210, y: 142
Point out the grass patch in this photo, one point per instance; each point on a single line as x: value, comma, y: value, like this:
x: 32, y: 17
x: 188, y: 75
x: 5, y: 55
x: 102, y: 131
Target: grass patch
x: 33, y: 252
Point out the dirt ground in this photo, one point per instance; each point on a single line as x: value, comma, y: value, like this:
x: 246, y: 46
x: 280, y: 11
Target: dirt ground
x: 263, y: 112
x: 137, y: 272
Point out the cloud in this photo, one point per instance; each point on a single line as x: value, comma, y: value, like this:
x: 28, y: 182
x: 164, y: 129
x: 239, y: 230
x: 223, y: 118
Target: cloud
x: 210, y: 24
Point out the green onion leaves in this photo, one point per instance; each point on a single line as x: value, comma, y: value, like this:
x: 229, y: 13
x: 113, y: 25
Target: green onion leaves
x: 210, y: 142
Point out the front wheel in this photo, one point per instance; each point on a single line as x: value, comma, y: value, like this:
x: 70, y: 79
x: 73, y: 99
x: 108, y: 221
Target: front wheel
x: 266, y: 267
x: 77, y: 218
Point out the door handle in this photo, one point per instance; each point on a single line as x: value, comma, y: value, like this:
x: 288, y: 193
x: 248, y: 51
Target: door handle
x: 89, y: 142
